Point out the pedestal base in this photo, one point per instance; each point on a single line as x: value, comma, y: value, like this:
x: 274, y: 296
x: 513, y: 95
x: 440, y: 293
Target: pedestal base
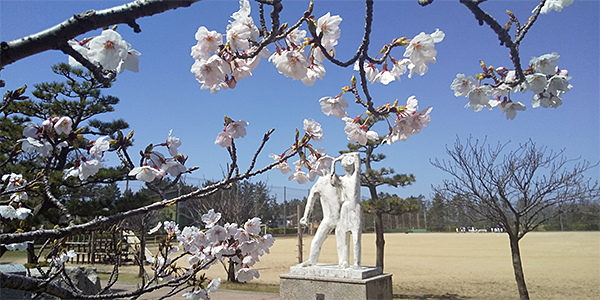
x: 303, y: 287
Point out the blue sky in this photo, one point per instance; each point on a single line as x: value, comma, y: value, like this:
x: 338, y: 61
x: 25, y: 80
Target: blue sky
x: 164, y: 95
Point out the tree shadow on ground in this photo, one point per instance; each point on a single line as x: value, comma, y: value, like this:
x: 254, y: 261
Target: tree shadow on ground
x: 447, y: 296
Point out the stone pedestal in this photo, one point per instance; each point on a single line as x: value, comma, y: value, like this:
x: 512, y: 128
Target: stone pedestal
x: 329, y: 282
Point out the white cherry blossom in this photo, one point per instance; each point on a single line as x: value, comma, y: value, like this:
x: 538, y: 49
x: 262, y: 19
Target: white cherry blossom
x: 334, y: 106
x: 558, y: 85
x: 15, y: 181
x: 21, y: 213
x: 299, y: 176
x: 511, y: 108
x: 253, y: 62
x: 400, y: 68
x: 314, y: 71
x: 296, y: 37
x: 109, y: 50
x: 411, y: 106
x: 556, y: 5
x: 18, y: 196
x: 462, y: 85
x: 252, y: 226
x: 545, y: 64
x: 211, y: 218
x: 246, y: 274
x: 238, y: 36
x: 100, y: 146
x: 17, y: 246
x: 79, y: 48
x: 536, y: 82
x: 312, y: 128
x: 29, y: 145
x: 89, y: 168
x: 240, y: 69
x: 479, y: 97
x: 211, y: 72
x: 172, y: 167
x: 421, y: 51
x: 208, y: 41
x: 385, y: 77
x: 146, y: 173
x: 131, y: 62
x: 236, y: 129
x: 356, y: 134
x: 8, y: 212
x: 63, y: 125
x: 283, y: 166
x: 546, y: 100
x: 223, y: 139
x: 328, y: 25
x: 213, y: 285
x: 155, y: 228
x: 196, y: 294
x: 291, y: 63
x: 371, y: 71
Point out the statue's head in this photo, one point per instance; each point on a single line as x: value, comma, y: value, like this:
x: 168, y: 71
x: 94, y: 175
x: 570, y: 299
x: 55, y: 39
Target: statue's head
x: 349, y: 160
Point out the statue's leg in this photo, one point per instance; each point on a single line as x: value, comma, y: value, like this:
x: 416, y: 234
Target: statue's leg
x: 343, y: 248
x: 356, y: 237
x: 315, y: 247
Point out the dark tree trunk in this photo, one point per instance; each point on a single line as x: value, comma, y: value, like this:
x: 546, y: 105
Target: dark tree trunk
x: 31, y: 259
x: 231, y: 272
x: 142, y: 253
x: 379, y: 241
x: 518, y: 267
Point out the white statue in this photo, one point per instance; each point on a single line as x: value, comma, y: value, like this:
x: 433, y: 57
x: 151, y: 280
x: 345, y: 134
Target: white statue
x: 340, y: 201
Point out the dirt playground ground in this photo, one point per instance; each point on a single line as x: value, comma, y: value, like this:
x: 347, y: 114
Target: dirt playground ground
x: 557, y: 265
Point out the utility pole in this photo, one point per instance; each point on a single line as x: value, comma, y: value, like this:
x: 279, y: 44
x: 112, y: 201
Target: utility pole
x: 298, y: 212
x: 284, y: 212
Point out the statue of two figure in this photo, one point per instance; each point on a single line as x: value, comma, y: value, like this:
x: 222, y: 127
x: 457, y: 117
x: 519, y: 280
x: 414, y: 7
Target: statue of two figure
x: 340, y: 201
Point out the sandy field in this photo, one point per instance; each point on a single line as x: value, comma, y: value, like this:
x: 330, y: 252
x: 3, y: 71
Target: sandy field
x: 557, y: 265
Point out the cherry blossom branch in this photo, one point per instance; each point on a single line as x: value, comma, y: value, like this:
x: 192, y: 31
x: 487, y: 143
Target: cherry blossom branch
x: 58, y: 35
x: 105, y: 77
x: 262, y: 144
x: 48, y: 192
x: 8, y: 238
x: 523, y: 30
x: 364, y: 48
x: 503, y: 36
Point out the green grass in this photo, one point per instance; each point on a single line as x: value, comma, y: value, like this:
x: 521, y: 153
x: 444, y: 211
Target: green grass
x: 225, y: 285
x: 250, y: 287
x: 10, y: 256
x: 123, y: 277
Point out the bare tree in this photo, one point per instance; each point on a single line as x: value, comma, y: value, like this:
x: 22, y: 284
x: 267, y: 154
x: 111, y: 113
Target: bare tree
x: 517, y: 190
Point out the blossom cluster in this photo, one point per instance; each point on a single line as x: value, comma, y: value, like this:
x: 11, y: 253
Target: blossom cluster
x: 407, y: 120
x: 217, y: 66
x: 156, y: 165
x: 543, y: 77
x: 56, y: 133
x: 214, y: 63
x: 15, y: 184
x: 419, y: 52
x: 232, y: 130
x: 61, y: 257
x: 241, y: 244
x: 317, y: 162
x: 109, y: 50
